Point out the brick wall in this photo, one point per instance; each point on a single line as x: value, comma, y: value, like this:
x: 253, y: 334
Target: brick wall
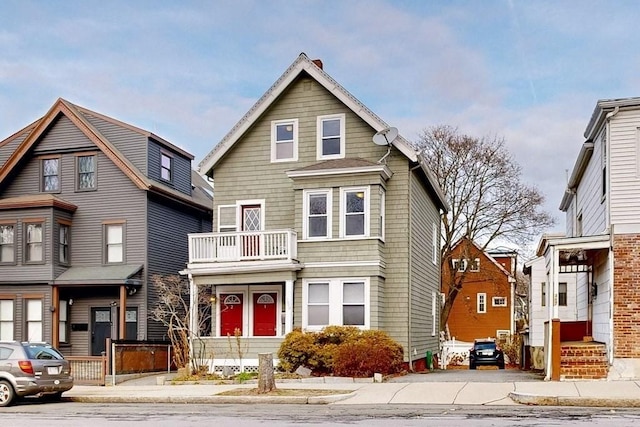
x: 626, y: 296
x: 583, y: 361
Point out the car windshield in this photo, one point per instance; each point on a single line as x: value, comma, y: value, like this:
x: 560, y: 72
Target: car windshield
x: 485, y: 346
x: 42, y: 351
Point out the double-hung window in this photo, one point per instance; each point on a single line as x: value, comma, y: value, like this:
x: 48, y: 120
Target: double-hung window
x: 63, y: 321
x: 7, y: 244
x: 481, y: 303
x: 331, y: 137
x: 63, y: 243
x: 51, y: 175
x: 284, y: 140
x: 341, y: 302
x: 86, y: 169
x: 562, y: 294
x: 33, y: 243
x: 317, y: 214
x: 354, y: 212
x: 34, y: 320
x: 114, y: 243
x: 6, y: 320
x: 166, y: 167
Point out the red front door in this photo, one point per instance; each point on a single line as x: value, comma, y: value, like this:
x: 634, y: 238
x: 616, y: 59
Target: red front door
x: 230, y: 314
x: 264, y: 314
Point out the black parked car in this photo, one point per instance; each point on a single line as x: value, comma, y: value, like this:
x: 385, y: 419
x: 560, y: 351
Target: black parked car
x: 486, y: 352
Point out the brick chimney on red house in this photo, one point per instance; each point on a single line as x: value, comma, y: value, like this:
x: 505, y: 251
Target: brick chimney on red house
x: 317, y: 62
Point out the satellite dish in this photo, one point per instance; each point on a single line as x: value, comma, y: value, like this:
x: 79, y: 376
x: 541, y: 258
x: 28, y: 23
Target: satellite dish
x: 385, y: 136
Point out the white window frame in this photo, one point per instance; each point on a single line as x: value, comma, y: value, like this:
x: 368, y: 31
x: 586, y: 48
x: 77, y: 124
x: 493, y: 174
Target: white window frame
x: 434, y: 312
x: 305, y: 213
x: 109, y: 244
x: 7, y: 319
x: 336, y: 302
x: 169, y: 170
x: 93, y: 172
x: 320, y: 136
x: 31, y: 243
x: 434, y: 244
x: 274, y: 140
x: 238, y: 214
x: 34, y: 317
x: 543, y: 294
x: 383, y: 213
x: 566, y: 294
x: 343, y: 213
x: 499, y: 301
x: 461, y: 265
x: 225, y: 228
x: 481, y: 302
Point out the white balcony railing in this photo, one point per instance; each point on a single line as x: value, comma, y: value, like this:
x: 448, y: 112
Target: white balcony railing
x: 243, y: 246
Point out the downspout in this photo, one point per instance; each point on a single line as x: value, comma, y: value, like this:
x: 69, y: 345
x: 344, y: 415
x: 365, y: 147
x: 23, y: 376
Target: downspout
x: 608, y: 118
x: 410, y: 266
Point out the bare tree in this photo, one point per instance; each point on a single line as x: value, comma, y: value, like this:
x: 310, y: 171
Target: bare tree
x: 488, y: 202
x: 173, y: 312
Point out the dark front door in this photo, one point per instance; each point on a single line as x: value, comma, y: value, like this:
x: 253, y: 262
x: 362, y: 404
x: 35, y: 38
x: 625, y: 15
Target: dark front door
x: 100, y: 329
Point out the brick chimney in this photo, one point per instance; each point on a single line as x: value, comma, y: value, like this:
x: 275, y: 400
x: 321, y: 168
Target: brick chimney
x: 318, y: 63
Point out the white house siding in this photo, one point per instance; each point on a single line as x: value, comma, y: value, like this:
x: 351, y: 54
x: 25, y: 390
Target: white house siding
x: 625, y: 170
x: 587, y: 199
x: 538, y: 313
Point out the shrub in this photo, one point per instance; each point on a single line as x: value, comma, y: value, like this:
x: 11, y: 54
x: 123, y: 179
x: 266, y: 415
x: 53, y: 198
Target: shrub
x: 511, y: 349
x: 371, y: 352
x: 340, y: 350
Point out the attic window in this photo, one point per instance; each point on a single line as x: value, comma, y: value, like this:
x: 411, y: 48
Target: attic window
x: 166, y: 167
x: 50, y: 175
x: 331, y: 137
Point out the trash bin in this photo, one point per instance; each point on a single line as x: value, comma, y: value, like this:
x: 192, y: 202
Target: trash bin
x: 429, y: 361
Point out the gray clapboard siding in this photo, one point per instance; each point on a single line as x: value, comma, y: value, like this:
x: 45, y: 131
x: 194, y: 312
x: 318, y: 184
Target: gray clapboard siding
x: 181, y: 167
x: 63, y: 135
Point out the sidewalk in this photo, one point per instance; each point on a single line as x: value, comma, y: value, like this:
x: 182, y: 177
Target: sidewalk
x: 583, y: 393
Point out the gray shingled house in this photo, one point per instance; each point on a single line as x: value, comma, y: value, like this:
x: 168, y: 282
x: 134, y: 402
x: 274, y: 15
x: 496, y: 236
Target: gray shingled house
x: 90, y: 208
x: 316, y: 225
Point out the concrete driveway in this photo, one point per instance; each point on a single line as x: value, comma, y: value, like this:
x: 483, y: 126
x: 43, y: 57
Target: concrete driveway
x: 480, y: 375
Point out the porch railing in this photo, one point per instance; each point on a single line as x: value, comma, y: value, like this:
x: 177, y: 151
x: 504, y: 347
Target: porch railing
x: 88, y: 370
x: 243, y: 246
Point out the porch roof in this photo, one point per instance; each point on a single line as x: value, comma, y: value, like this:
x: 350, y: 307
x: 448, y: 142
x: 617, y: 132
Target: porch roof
x: 601, y: 241
x: 100, y: 275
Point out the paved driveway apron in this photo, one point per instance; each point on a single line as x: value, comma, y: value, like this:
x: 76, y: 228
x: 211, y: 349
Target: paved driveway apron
x: 469, y: 375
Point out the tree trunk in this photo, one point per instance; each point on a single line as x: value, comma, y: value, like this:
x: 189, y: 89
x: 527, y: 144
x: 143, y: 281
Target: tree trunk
x: 266, y: 379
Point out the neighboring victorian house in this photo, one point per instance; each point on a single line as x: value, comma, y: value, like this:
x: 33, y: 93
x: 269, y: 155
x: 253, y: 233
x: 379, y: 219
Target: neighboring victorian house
x: 90, y: 208
x: 317, y: 225
x: 601, y: 246
x: 484, y: 306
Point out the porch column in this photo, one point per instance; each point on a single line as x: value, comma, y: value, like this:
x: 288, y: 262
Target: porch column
x: 193, y: 316
x: 288, y: 302
x: 55, y: 319
x: 122, y: 318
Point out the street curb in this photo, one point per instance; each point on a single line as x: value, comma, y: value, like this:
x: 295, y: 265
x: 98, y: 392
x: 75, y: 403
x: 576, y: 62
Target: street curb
x: 215, y: 399
x: 595, y: 402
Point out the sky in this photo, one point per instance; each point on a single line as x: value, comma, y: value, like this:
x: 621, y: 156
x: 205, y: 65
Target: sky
x: 529, y: 72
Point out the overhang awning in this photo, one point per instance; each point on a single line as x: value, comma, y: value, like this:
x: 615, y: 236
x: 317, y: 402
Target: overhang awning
x: 100, y: 275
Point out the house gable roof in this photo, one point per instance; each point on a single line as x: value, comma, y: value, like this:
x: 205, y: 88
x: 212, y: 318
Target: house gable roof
x: 305, y: 65
x: 486, y: 254
x: 77, y: 115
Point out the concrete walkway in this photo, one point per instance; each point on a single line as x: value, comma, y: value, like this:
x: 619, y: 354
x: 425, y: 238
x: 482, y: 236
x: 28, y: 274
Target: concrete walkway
x: 350, y: 392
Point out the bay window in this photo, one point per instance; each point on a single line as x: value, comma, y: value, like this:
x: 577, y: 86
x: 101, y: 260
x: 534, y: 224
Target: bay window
x: 341, y: 302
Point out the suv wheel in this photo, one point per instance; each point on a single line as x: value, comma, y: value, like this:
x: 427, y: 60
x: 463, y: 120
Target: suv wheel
x: 6, y: 394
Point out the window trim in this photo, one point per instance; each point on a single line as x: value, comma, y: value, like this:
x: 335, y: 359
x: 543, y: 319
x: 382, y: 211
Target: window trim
x: 25, y: 231
x: 95, y: 171
x: 565, y: 293
x: 367, y: 211
x: 62, y: 224
x: 7, y: 321
x: 336, y: 302
x: 383, y: 214
x: 105, y: 244
x: 320, y: 136
x: 328, y: 192
x: 495, y: 302
x: 275, y: 142
x: 42, y: 160
x: 543, y: 294
x: 481, y: 302
x: 434, y: 244
x: 12, y: 224
x: 170, y: 169
x: 28, y: 320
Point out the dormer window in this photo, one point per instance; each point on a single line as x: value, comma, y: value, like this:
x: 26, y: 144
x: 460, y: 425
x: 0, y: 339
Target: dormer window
x: 166, y: 167
x: 331, y: 137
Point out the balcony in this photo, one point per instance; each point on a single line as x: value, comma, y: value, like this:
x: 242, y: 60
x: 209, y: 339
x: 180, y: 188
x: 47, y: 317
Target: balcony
x: 242, y: 247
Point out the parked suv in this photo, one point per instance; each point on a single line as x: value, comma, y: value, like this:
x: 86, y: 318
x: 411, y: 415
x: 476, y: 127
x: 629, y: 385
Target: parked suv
x: 486, y: 352
x: 28, y: 369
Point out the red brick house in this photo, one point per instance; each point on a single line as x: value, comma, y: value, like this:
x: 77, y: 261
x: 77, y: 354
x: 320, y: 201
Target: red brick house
x: 484, y: 306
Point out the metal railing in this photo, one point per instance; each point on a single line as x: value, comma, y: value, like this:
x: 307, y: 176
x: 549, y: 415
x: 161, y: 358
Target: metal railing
x: 243, y: 246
